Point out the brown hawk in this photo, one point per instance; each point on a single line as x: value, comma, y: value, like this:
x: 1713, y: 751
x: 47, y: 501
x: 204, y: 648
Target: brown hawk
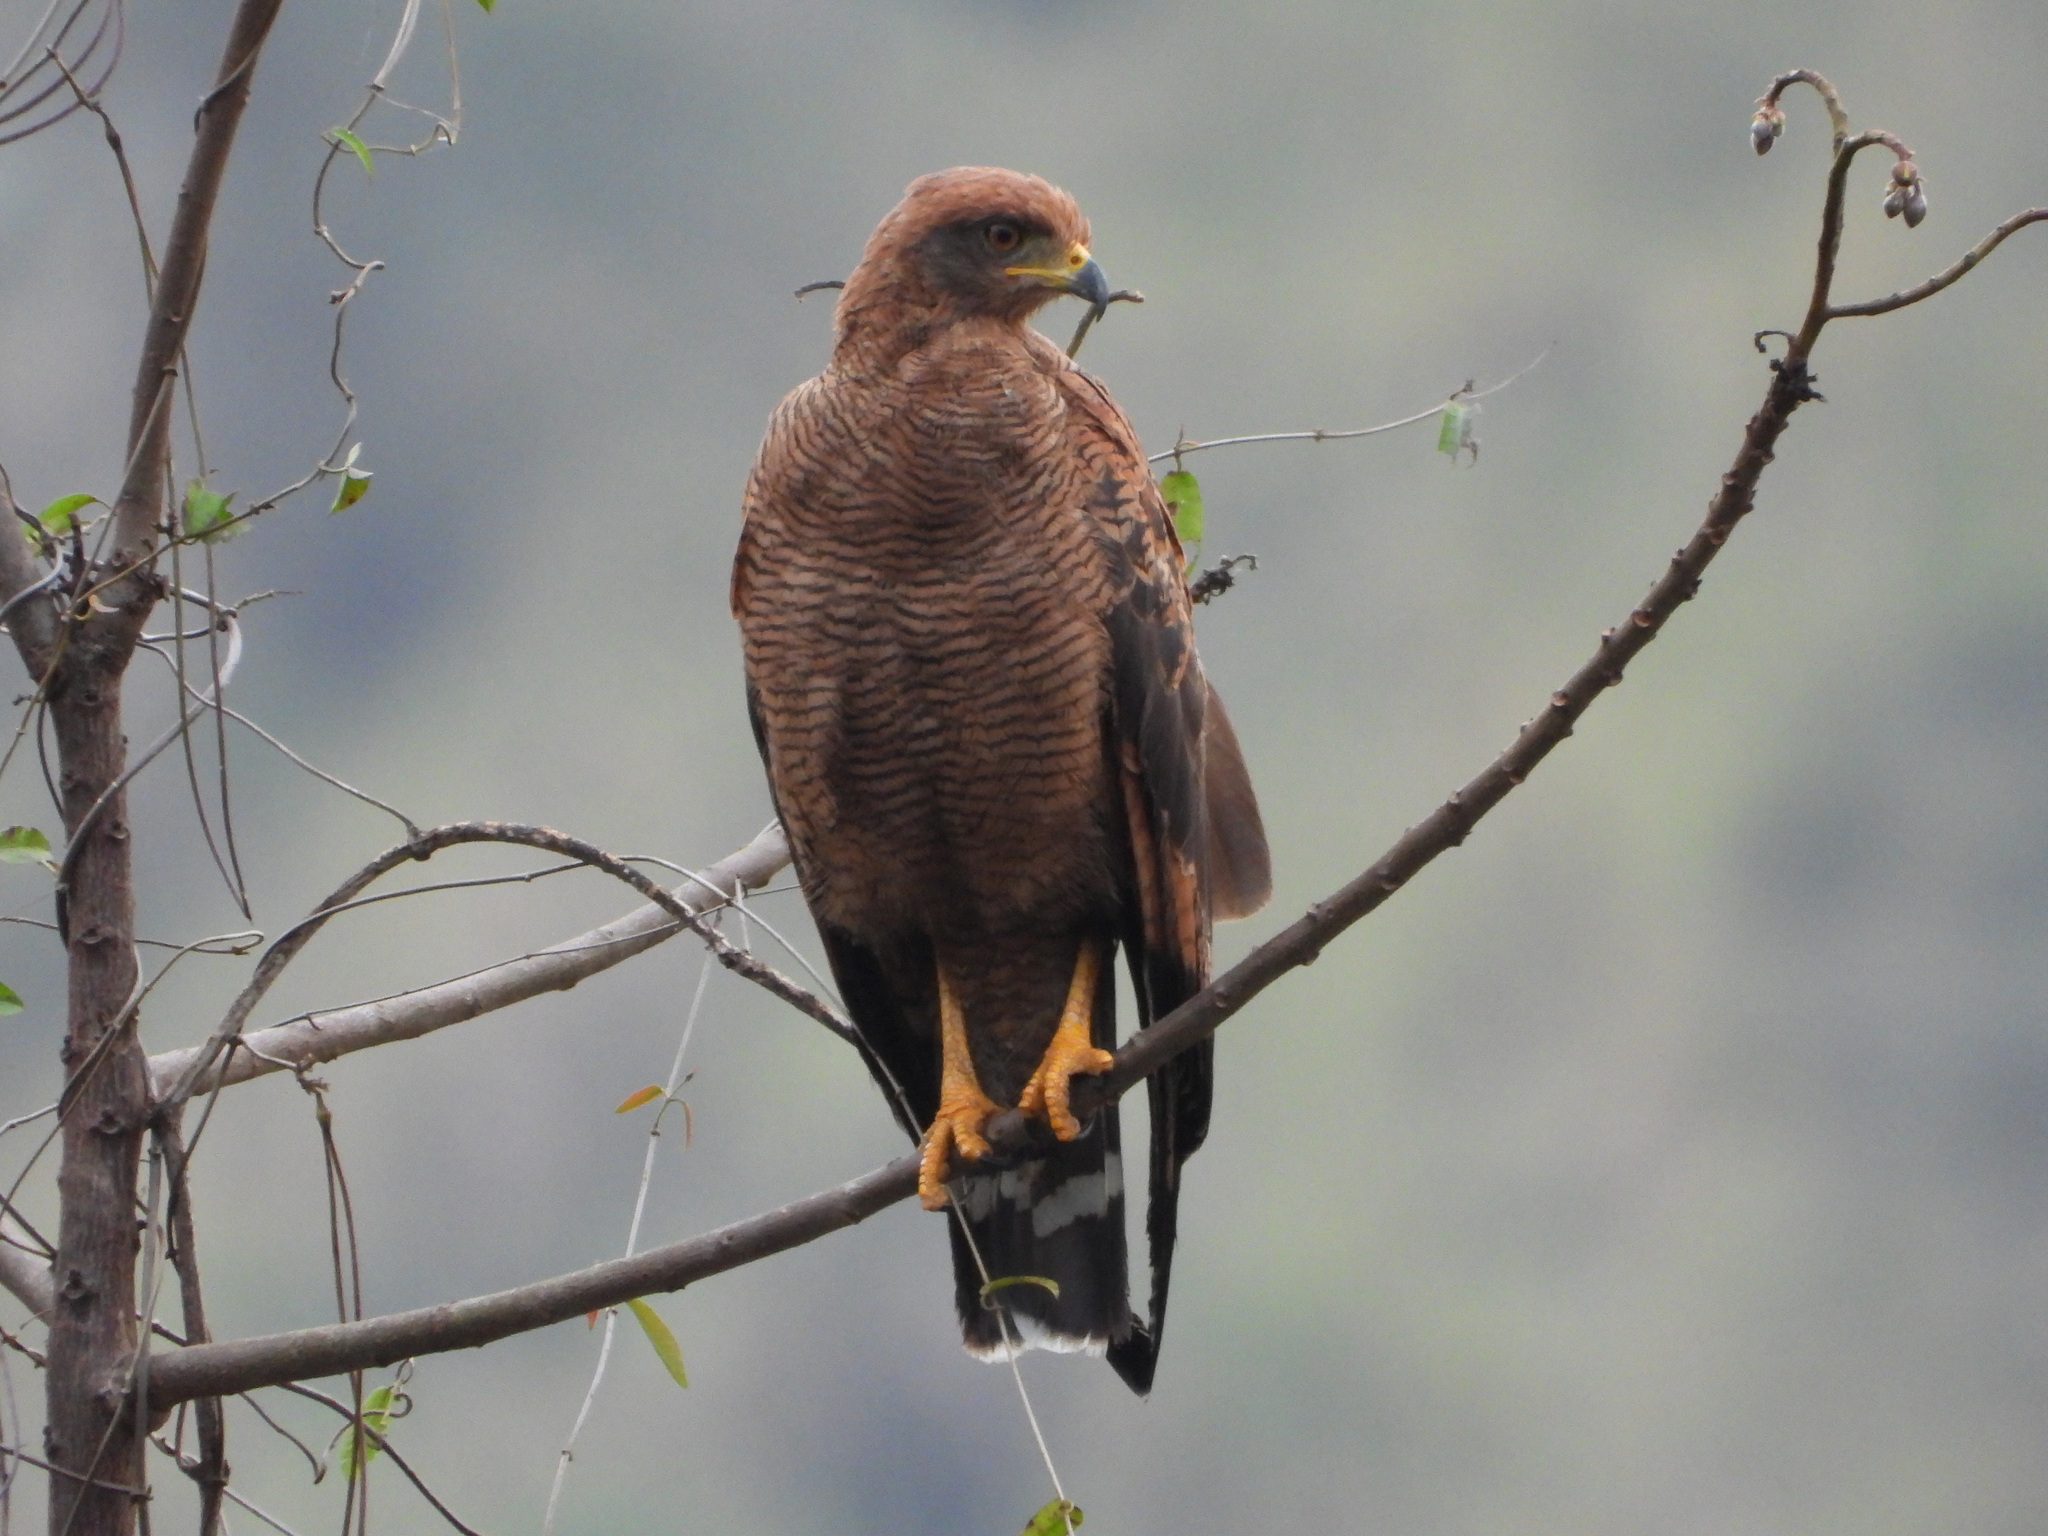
x: 972, y: 675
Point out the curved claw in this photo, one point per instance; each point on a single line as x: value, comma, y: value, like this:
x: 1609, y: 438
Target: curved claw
x: 1049, y: 1093
x: 963, y: 1108
x: 1072, y: 1049
x: 955, y: 1129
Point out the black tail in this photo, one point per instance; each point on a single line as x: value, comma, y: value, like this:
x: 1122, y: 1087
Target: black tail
x: 1058, y: 1219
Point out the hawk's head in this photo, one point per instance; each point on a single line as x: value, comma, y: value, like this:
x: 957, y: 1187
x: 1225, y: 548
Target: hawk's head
x: 977, y: 240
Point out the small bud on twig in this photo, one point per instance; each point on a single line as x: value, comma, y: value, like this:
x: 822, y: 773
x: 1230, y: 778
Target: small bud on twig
x: 1765, y: 127
x: 1908, y: 195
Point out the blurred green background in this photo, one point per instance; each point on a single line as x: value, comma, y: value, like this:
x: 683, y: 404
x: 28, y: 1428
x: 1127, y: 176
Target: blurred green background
x: 1672, y: 1158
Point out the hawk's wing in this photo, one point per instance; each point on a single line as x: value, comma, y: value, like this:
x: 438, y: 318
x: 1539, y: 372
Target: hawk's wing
x: 1197, y: 845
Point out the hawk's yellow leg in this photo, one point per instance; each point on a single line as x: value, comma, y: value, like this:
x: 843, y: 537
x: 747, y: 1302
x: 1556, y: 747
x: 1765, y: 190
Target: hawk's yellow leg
x: 963, y: 1108
x: 1072, y: 1050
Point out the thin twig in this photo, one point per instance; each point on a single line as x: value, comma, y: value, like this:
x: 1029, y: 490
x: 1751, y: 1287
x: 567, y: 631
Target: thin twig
x: 294, y: 939
x: 78, y: 840
x: 91, y: 102
x: 412, y: 828
x: 1466, y: 393
x: 97, y: 1482
x: 113, y: 19
x: 35, y: 1357
x: 348, y: 1297
x: 611, y: 1317
x: 314, y: 1462
x: 196, y: 949
x: 327, y: 1035
x: 211, y: 1472
x: 137, y: 509
x: 1941, y: 280
x: 383, y: 1443
x: 34, y: 1114
x: 1096, y: 312
x: 187, y: 1465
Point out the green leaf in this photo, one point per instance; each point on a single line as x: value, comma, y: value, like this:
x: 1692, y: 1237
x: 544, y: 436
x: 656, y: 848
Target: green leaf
x: 487, y: 4
x: 377, y: 1418
x: 354, y: 482
x: 1056, y: 1519
x: 1454, y: 436
x: 10, y: 1000
x: 1184, y: 500
x: 1004, y: 1282
x: 60, y: 515
x: 24, y: 845
x: 207, y: 517
x: 663, y: 1341
x: 348, y: 140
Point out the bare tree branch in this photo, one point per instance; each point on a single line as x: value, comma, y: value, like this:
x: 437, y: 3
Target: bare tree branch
x: 338, y: 1347
x: 27, y: 1278
x: 326, y: 1036
x: 139, y: 506
x: 209, y: 1470
x: 106, y: 1099
x: 1941, y: 280
x: 1470, y: 390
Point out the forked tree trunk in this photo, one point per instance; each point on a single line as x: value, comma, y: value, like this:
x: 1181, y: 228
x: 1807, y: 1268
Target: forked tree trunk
x: 90, y: 1432
x: 95, y: 1446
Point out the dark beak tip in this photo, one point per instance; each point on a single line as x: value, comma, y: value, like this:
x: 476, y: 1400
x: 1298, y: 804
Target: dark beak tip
x: 1089, y: 283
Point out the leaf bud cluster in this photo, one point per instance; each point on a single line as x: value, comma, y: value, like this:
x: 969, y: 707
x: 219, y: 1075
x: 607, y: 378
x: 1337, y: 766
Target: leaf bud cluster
x: 1907, y: 194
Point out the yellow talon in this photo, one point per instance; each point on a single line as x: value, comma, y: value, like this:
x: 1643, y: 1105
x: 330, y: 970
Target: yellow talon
x: 963, y: 1108
x: 1072, y: 1050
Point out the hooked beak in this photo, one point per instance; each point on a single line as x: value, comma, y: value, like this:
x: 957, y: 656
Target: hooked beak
x: 1079, y: 274
x: 1089, y: 283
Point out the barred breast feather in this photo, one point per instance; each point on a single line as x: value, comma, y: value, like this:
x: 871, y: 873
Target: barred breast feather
x: 971, y: 670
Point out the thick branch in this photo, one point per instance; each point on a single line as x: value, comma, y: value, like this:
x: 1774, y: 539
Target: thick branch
x: 326, y: 1036
x: 27, y: 1278
x: 139, y: 506
x: 328, y: 1351
x: 280, y: 954
x: 90, y: 1439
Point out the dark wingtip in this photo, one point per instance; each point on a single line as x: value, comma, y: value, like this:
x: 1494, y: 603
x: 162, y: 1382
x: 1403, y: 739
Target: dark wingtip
x: 1134, y: 1358
x: 1239, y: 865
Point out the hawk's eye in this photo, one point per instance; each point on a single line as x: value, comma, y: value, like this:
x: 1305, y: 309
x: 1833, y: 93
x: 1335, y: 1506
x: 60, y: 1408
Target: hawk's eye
x: 1003, y: 238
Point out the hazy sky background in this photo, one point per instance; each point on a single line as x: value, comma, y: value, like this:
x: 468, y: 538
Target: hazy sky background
x: 1673, y: 1158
